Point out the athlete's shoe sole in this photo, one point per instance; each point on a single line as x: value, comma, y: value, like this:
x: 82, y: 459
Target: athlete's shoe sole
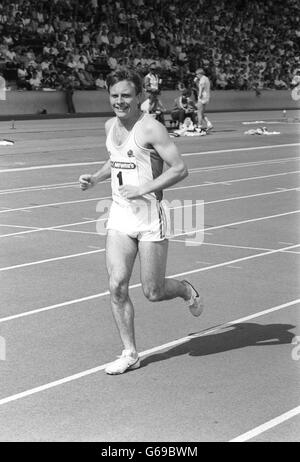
x: 196, y: 304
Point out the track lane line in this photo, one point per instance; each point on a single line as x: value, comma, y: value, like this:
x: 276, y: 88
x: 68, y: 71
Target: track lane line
x: 237, y: 180
x: 236, y: 246
x: 166, y: 190
x: 253, y: 148
x: 48, y: 260
x: 134, y: 286
x: 76, y: 164
x: 283, y: 160
x: 65, y: 257
x: 252, y: 220
x: 226, y: 225
x: 266, y: 426
x: 96, y: 369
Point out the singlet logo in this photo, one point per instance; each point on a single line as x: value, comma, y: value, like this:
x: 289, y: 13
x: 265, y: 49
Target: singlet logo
x: 125, y: 165
x: 130, y: 153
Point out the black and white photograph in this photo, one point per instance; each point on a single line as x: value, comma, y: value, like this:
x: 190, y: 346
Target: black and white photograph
x: 149, y: 224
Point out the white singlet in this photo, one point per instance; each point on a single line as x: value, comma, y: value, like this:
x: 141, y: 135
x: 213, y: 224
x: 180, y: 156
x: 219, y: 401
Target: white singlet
x: 204, y: 89
x: 131, y: 164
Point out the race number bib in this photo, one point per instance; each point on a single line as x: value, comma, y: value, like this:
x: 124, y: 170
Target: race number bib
x: 123, y: 173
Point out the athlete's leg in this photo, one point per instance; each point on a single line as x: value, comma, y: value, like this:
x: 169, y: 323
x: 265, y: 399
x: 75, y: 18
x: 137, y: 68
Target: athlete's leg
x: 209, y: 125
x: 121, y: 252
x: 153, y: 260
x: 181, y: 116
x: 200, y: 110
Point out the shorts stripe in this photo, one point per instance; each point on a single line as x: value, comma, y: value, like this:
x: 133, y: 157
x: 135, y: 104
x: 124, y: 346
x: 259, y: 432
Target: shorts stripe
x: 160, y: 220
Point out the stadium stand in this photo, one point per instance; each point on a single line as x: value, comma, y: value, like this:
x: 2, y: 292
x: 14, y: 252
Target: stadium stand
x: 43, y: 43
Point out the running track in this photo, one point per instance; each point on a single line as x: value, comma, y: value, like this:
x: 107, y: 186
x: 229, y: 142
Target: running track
x: 232, y: 374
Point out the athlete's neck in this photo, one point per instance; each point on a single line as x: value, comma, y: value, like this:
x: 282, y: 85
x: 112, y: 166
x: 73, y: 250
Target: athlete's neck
x: 130, y: 122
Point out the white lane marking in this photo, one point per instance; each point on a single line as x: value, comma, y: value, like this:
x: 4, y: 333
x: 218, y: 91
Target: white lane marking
x: 248, y: 196
x: 228, y: 182
x: 73, y: 184
x: 191, y: 170
x: 266, y: 426
x: 164, y: 346
x: 38, y: 188
x: 206, y: 231
x: 166, y: 190
x: 54, y: 204
x: 283, y: 160
x: 42, y: 167
x: 29, y: 188
x: 76, y: 231
x: 134, y: 286
x: 30, y: 231
x: 237, y: 223
x: 183, y: 241
x: 76, y: 164
x: 19, y: 226
x: 38, y: 262
x: 253, y: 148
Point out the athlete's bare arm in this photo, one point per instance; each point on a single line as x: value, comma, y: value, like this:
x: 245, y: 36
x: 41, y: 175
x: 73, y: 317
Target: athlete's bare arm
x: 87, y: 180
x: 154, y: 134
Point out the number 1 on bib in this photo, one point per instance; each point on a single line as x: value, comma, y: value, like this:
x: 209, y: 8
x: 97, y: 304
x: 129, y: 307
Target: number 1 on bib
x: 120, y: 178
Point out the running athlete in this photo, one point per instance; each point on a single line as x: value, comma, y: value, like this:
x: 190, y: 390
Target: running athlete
x: 138, y: 146
x: 203, y: 91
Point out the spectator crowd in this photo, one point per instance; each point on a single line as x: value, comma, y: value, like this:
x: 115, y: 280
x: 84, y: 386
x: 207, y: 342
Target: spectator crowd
x: 61, y: 43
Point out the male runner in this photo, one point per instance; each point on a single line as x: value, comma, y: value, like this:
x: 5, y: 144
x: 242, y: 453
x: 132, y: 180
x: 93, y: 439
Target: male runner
x: 138, y: 146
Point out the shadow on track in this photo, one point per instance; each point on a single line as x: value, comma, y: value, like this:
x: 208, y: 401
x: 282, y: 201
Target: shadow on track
x: 238, y: 336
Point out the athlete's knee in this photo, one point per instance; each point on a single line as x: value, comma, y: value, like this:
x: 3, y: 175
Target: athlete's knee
x: 153, y: 292
x: 118, y: 288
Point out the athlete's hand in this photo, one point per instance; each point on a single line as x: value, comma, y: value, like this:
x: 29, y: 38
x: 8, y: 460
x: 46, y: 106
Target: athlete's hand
x: 86, y: 181
x: 129, y: 192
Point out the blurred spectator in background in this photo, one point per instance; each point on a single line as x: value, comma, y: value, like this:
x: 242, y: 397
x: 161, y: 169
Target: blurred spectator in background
x: 279, y: 83
x: 295, y: 85
x: 202, y: 85
x: 184, y: 106
x: 2, y: 87
x: 153, y: 105
x: 35, y: 81
x: 68, y: 85
x: 152, y: 80
x: 100, y: 83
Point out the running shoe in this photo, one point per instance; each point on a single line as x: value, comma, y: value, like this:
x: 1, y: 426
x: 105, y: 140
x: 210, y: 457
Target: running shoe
x: 126, y: 362
x: 195, y: 303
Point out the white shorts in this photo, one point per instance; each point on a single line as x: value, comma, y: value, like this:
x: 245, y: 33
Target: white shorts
x: 145, y: 221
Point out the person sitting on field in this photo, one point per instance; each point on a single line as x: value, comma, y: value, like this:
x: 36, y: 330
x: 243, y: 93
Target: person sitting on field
x: 153, y: 105
x: 184, y: 107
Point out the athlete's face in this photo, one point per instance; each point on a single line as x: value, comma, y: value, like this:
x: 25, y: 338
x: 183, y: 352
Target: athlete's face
x: 123, y: 99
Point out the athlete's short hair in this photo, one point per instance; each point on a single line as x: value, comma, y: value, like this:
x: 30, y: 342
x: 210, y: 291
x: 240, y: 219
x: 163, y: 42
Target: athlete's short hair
x: 125, y: 74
